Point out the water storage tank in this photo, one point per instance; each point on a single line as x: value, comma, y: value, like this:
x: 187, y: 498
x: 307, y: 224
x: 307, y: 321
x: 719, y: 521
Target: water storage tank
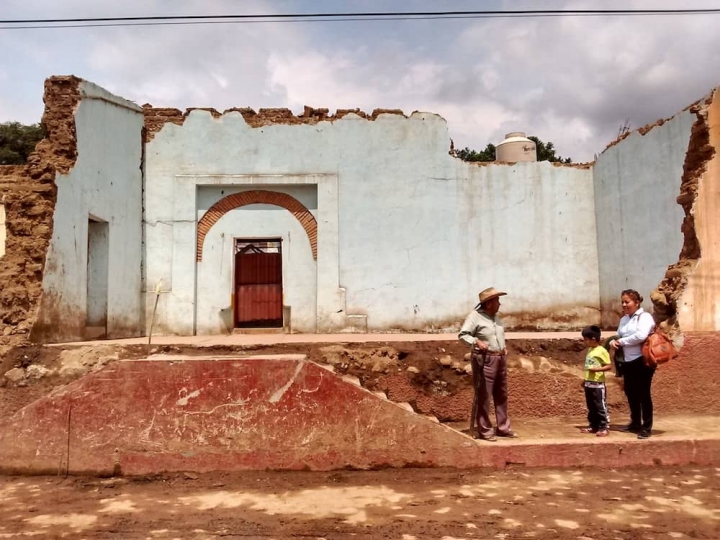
x: 516, y: 147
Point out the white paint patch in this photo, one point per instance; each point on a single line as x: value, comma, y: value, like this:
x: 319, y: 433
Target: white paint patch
x: 77, y: 522
x: 510, y: 522
x: 277, y: 396
x: 444, y: 510
x: 185, y: 399
x: 471, y: 526
x: 582, y: 510
x: 567, y: 524
x: 676, y: 535
x: 494, y: 512
x: 410, y: 516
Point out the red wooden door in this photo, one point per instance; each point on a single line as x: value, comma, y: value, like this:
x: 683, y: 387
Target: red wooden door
x: 258, y: 289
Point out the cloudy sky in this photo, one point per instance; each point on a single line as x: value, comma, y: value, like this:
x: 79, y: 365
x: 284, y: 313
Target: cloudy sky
x: 573, y: 81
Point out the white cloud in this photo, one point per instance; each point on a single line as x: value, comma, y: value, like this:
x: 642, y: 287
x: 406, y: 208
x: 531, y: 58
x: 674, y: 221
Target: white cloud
x: 573, y: 81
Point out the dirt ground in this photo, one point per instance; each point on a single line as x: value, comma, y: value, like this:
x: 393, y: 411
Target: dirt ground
x: 405, y: 504
x: 435, y: 369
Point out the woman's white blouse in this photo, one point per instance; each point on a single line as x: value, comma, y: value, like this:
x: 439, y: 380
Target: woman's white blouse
x: 633, y: 331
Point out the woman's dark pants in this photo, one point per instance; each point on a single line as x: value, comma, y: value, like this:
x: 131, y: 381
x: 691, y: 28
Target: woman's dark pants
x: 638, y: 379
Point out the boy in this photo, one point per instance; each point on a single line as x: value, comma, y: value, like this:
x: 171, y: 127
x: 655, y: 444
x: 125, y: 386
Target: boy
x: 597, y: 362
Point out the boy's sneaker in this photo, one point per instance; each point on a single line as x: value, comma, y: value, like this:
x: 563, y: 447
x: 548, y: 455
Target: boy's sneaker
x: 602, y: 433
x: 644, y: 434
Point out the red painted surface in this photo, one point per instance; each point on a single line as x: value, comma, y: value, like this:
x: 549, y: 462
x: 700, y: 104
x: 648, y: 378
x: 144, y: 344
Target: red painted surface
x: 253, y: 414
x: 690, y: 383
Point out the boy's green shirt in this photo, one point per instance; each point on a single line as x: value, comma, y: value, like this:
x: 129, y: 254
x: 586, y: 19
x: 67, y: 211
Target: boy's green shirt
x: 596, y: 357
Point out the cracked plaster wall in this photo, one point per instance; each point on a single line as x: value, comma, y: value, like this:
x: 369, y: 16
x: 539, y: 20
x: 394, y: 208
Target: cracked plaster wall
x: 638, y: 218
x: 105, y: 183
x: 418, y: 232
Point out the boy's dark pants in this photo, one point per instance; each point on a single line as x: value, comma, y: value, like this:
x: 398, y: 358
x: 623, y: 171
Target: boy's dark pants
x: 596, y: 399
x: 638, y: 380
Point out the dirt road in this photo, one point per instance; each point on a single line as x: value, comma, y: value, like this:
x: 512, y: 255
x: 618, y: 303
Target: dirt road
x: 404, y: 504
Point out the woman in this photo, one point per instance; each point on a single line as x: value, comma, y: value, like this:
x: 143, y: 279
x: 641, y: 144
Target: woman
x: 634, y: 328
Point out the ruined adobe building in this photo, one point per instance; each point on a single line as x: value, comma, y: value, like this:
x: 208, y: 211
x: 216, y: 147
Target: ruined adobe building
x: 366, y: 222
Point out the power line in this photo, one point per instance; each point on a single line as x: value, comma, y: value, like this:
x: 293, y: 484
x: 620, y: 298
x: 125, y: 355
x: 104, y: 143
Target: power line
x: 158, y: 20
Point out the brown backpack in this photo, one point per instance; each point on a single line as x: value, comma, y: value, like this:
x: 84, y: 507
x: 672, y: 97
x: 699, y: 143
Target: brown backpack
x: 658, y: 349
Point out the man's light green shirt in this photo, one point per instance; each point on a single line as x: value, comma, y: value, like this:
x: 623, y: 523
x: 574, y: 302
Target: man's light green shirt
x: 488, y: 329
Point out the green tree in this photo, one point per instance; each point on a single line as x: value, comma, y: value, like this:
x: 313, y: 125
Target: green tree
x: 471, y: 155
x: 545, y: 152
x: 17, y: 141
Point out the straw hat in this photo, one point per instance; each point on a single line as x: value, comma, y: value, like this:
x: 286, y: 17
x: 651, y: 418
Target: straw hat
x: 489, y: 294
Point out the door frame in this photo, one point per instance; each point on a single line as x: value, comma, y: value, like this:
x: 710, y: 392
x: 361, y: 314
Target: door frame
x: 233, y: 293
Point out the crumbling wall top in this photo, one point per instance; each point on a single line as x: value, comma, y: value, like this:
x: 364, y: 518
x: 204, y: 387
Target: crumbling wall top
x: 156, y: 118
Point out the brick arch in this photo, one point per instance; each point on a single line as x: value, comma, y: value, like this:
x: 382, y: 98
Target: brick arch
x: 258, y: 196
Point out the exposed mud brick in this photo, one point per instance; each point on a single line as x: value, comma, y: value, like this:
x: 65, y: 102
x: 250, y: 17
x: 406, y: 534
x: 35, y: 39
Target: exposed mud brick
x: 689, y: 384
x: 29, y: 195
x: 700, y: 152
x: 378, y: 112
x: 344, y: 112
x: 156, y: 118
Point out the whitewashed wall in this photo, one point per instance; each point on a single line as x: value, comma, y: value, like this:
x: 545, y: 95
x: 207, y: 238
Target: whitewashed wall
x: 407, y: 234
x: 637, y: 182
x: 105, y: 183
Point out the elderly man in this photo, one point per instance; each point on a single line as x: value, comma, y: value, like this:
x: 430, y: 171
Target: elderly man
x: 484, y: 331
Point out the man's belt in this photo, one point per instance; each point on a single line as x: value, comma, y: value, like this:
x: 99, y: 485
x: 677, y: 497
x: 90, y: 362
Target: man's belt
x: 491, y: 353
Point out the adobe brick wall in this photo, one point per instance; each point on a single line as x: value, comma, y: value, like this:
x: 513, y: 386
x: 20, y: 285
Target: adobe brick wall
x: 688, y: 385
x: 691, y: 383
x: 29, y: 194
x: 237, y: 200
x: 157, y: 117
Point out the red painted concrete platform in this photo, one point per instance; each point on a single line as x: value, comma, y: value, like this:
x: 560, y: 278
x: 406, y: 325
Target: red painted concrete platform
x: 205, y: 414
